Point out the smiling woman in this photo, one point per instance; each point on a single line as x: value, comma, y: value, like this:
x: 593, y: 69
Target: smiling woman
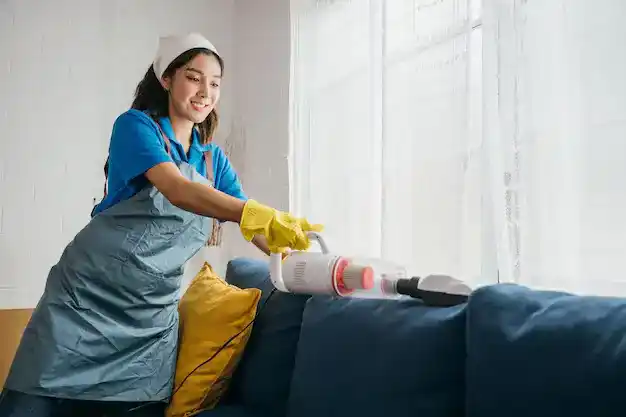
x: 188, y: 89
x: 181, y: 99
x: 103, y: 338
x: 12, y: 323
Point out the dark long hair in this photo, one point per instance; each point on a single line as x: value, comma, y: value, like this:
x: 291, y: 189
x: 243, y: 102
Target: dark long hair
x: 151, y: 97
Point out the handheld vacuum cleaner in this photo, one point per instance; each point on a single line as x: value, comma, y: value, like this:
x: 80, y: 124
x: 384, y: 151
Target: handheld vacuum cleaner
x: 324, y: 273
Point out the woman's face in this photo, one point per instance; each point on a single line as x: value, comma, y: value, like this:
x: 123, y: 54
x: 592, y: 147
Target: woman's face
x: 195, y: 88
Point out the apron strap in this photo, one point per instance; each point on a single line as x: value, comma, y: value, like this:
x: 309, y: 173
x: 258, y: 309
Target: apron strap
x: 208, y: 160
x: 216, y: 231
x: 168, y: 148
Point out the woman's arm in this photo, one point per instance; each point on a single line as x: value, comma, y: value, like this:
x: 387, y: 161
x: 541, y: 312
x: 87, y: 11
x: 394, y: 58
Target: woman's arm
x: 137, y: 148
x: 194, y: 197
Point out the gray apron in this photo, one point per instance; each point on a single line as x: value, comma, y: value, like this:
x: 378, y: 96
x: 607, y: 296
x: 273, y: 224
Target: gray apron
x: 106, y: 327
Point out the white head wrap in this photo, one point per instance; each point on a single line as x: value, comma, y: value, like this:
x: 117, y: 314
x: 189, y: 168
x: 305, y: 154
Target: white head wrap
x: 170, y: 47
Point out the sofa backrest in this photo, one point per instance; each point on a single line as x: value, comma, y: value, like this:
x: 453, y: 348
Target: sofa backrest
x: 325, y: 356
x: 510, y: 351
x: 545, y: 354
x: 361, y: 357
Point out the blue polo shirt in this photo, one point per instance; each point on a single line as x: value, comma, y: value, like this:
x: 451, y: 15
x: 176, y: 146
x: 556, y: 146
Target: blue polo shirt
x: 137, y: 145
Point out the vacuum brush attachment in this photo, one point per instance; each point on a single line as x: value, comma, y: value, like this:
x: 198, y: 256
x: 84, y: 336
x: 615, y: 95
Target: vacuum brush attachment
x: 434, y: 290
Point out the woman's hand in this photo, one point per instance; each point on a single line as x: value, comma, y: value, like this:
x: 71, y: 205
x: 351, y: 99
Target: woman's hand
x: 261, y: 243
x: 280, y: 229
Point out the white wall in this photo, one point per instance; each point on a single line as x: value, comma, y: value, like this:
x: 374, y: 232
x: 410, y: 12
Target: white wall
x: 261, y: 119
x: 67, y: 69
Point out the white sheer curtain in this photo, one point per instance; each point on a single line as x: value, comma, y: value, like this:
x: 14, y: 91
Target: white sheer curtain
x: 386, y: 130
x: 489, y: 156
x: 555, y: 101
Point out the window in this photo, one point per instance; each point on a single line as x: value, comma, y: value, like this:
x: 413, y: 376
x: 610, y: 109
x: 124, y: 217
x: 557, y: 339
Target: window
x: 481, y: 139
x: 386, y: 127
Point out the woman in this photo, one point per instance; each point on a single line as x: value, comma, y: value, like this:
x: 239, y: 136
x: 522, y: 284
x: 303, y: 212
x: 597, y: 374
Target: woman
x: 103, y: 337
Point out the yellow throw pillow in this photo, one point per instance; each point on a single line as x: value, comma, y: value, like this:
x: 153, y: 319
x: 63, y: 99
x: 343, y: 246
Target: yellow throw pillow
x: 212, y: 313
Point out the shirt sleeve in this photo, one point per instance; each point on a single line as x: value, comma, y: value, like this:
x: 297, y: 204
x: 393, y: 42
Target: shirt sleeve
x: 226, y: 179
x: 136, y: 146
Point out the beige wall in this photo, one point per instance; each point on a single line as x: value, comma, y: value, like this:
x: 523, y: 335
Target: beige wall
x: 12, y: 323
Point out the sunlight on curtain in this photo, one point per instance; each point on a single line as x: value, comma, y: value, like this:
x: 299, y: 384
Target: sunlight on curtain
x: 481, y: 139
x: 386, y: 131
x: 560, y: 118
x: 432, y: 217
x: 336, y: 148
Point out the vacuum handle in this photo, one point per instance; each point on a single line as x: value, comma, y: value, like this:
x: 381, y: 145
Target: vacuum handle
x: 276, y: 271
x: 320, y: 241
x: 276, y: 262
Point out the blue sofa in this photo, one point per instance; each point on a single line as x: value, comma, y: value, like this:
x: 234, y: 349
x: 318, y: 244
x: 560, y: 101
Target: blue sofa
x: 509, y: 352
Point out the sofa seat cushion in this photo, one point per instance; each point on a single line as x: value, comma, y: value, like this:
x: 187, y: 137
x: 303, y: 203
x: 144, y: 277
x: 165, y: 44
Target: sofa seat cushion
x: 263, y: 377
x: 545, y: 354
x: 373, y: 358
x: 234, y: 411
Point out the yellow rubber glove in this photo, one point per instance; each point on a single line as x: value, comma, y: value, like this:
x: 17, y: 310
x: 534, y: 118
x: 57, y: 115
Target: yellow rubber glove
x: 282, y: 230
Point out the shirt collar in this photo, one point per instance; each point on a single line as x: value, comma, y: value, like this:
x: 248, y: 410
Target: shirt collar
x: 166, y: 125
x: 197, y: 144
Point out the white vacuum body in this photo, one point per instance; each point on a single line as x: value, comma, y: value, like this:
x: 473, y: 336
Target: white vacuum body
x: 324, y: 273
